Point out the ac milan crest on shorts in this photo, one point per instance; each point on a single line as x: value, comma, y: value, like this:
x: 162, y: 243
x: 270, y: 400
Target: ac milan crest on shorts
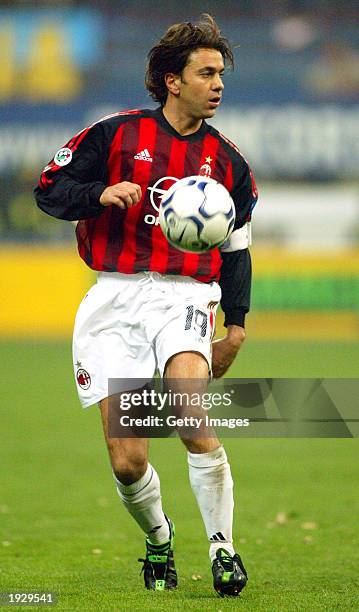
x: 83, y: 378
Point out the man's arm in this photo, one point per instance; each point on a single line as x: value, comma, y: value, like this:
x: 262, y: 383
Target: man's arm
x: 69, y: 199
x: 76, y: 188
x: 72, y: 183
x: 235, y: 282
x: 236, y: 271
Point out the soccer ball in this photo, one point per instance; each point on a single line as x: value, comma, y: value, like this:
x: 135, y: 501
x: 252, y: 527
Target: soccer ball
x: 197, y: 214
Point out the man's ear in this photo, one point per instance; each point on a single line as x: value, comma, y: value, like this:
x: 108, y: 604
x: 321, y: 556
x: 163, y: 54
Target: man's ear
x: 173, y: 83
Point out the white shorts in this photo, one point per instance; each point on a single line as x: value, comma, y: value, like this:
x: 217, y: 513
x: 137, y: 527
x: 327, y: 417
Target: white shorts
x: 129, y: 325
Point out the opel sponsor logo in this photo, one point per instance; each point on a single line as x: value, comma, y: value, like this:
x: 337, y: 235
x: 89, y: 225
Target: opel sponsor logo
x: 156, y: 193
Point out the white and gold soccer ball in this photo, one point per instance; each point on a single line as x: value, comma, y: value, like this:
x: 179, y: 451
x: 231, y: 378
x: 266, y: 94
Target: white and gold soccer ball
x: 197, y: 214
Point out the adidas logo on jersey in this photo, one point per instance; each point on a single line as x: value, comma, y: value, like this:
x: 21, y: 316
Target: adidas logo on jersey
x: 143, y: 155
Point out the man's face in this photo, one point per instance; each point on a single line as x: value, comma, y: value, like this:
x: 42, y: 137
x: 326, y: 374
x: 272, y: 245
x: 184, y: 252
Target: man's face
x: 201, y: 86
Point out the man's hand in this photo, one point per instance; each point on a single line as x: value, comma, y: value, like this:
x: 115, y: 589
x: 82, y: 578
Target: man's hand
x: 225, y: 349
x: 124, y: 195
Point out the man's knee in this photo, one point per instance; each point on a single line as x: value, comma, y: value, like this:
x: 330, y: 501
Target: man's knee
x: 128, y: 472
x: 128, y: 467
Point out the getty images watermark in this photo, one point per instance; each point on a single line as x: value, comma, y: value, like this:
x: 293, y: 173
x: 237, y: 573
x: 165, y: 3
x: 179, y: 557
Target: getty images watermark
x: 184, y: 402
x: 161, y: 408
x: 261, y: 407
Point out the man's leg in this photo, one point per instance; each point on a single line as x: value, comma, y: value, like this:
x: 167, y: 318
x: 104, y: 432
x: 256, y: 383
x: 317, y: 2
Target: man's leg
x: 209, y: 470
x: 137, y: 481
x: 138, y: 486
x: 212, y: 485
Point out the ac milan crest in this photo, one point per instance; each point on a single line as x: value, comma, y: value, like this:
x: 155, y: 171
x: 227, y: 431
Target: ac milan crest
x: 205, y: 169
x: 83, y: 379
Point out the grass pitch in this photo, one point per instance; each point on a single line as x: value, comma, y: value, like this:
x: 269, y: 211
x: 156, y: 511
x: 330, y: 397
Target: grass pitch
x: 63, y: 528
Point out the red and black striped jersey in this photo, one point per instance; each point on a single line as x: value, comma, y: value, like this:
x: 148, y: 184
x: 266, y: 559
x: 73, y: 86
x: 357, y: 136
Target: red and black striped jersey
x: 139, y: 146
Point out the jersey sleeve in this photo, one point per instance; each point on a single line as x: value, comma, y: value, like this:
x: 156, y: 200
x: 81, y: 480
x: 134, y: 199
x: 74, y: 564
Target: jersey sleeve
x: 235, y: 282
x: 71, y: 184
x: 236, y: 270
x: 245, y: 196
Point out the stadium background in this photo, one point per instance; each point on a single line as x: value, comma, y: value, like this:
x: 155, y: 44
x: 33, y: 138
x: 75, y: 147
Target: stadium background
x: 292, y: 106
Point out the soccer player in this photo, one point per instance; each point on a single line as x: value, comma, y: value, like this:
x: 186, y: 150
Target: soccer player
x: 110, y: 177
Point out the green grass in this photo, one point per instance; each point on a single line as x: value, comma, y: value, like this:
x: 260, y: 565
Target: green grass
x: 58, y: 504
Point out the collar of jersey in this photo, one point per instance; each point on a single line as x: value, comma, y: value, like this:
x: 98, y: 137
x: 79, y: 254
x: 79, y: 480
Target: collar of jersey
x: 170, y: 130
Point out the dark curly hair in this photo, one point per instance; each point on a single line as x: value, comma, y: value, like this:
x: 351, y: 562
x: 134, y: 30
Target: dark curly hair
x: 172, y: 51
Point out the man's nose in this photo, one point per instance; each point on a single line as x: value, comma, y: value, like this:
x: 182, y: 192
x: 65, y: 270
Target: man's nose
x: 218, y: 84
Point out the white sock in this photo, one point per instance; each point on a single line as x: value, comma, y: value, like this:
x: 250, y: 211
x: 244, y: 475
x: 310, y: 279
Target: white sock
x: 212, y: 484
x: 143, y: 501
